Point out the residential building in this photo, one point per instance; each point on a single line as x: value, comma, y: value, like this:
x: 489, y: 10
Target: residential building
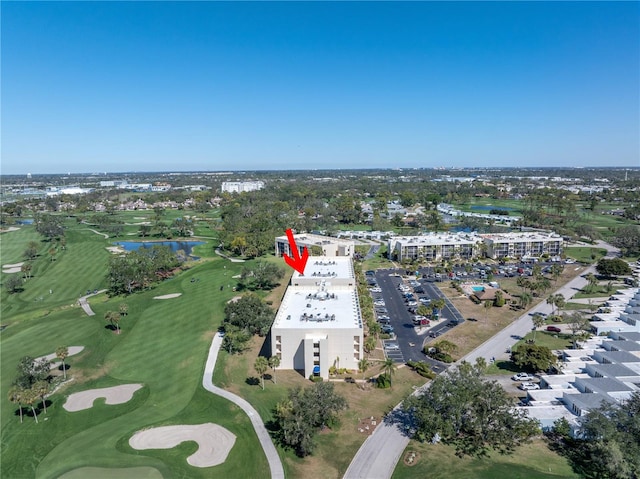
x: 518, y: 245
x: 435, y: 246
x: 317, y: 245
x: 319, y: 323
x: 241, y: 186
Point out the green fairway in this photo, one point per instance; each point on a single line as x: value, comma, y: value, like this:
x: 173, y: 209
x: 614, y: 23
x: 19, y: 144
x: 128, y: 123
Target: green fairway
x: 585, y: 254
x: 163, y: 345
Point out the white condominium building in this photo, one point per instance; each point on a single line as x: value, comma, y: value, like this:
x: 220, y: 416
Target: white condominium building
x: 319, y: 323
x: 241, y: 186
x: 317, y: 245
x: 435, y: 246
x: 516, y: 245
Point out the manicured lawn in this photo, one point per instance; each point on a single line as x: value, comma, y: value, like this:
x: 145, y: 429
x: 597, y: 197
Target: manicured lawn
x: 531, y: 461
x: 163, y: 345
x: 585, y: 254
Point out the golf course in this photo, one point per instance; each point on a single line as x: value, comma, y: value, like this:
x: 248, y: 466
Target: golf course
x: 146, y: 376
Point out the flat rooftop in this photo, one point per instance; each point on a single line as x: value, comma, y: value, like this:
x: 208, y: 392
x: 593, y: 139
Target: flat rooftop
x: 313, y: 308
x: 438, y: 239
x: 327, y: 268
x: 312, y: 239
x: 528, y: 236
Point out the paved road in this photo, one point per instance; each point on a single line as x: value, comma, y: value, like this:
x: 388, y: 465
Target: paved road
x: 275, y: 465
x: 85, y: 305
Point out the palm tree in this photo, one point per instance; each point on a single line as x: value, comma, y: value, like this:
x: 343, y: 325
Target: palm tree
x: 525, y: 300
x: 592, y: 282
x: 52, y: 253
x: 389, y: 368
x: 124, y: 309
x: 61, y: 353
x: 556, y: 271
x: 552, y: 301
x: 274, y: 362
x: 113, y: 318
x: 487, y: 306
x: 29, y: 396
x: 41, y: 389
x: 15, y: 396
x: 538, y: 322
x: 26, y: 270
x: 370, y: 344
x: 261, y: 365
x: 363, y: 365
x: 560, y: 301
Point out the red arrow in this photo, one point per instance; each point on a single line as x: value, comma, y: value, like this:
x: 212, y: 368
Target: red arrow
x: 300, y: 261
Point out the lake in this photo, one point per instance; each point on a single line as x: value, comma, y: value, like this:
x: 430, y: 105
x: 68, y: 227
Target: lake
x: 185, y: 246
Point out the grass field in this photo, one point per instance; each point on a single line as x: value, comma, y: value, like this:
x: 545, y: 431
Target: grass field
x: 163, y: 345
x: 585, y: 254
x: 531, y: 461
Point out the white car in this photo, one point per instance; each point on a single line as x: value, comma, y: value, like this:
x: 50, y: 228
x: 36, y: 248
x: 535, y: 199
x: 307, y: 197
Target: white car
x: 391, y: 346
x: 529, y: 386
x: 522, y: 377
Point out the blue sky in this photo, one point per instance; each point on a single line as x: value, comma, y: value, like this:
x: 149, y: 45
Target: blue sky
x: 146, y: 86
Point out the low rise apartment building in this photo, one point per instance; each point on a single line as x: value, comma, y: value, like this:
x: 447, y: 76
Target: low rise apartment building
x: 319, y: 323
x: 317, y: 245
x: 518, y: 245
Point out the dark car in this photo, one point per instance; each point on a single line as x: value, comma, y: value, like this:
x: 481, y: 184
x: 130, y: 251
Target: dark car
x: 554, y: 329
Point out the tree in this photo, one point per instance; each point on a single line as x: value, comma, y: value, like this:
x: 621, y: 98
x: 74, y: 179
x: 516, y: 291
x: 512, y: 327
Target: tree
x: 470, y: 413
x: 389, y: 367
x: 30, y: 371
x: 533, y: 358
x: 612, y: 267
x: 113, y: 318
x: 29, y: 396
x: 13, y: 284
x: 249, y: 313
x: 235, y: 339
x: 52, y: 253
x: 370, y: 343
x: 303, y: 413
x: 41, y: 389
x: 576, y: 323
x: 592, y: 282
x: 263, y: 275
x: 627, y: 239
x: 32, y: 250
x: 261, y: 365
x: 15, y: 396
x: 363, y: 365
x: 499, y: 299
x: 26, y: 270
x: 525, y: 300
x: 124, y: 309
x: 49, y: 226
x: 274, y: 362
x: 61, y: 353
x: 538, y: 322
x: 441, y: 350
x: 487, y: 306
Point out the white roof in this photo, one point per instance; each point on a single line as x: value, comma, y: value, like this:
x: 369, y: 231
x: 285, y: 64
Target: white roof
x: 313, y: 308
x: 321, y: 267
x: 438, y: 239
x: 519, y: 237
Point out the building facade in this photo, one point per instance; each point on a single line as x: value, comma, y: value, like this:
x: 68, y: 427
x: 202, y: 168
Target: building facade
x: 317, y: 245
x: 241, y: 186
x: 518, y: 245
x: 319, y: 323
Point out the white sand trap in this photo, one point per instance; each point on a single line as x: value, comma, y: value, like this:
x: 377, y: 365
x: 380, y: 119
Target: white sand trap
x: 168, y: 296
x: 116, y: 249
x: 11, y: 270
x: 114, y: 395
x: 234, y: 299
x: 10, y: 228
x: 15, y: 265
x: 214, y: 441
x: 73, y: 350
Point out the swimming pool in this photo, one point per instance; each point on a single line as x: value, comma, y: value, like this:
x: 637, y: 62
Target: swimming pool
x: 477, y: 288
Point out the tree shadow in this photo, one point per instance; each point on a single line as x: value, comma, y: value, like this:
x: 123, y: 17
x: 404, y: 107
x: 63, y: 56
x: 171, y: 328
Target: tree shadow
x: 403, y: 419
x: 64, y: 367
x: 252, y: 381
x: 505, y: 365
x: 110, y: 327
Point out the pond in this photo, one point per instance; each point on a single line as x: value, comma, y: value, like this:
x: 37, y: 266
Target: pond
x: 186, y: 246
x: 24, y: 222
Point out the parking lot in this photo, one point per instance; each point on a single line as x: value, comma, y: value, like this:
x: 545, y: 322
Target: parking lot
x: 393, y: 306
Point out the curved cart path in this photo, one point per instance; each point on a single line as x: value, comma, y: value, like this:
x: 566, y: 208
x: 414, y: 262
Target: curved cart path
x: 275, y: 465
x: 85, y: 305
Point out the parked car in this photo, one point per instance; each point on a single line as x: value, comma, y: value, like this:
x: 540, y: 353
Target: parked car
x: 386, y: 329
x: 554, y: 329
x: 522, y: 377
x: 529, y: 386
x: 391, y: 346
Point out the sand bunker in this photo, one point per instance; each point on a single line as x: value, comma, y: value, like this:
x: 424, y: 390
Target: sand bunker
x: 115, y: 249
x: 168, y: 296
x: 12, y: 268
x: 214, y: 441
x: 114, y: 395
x: 10, y: 228
x: 73, y: 350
